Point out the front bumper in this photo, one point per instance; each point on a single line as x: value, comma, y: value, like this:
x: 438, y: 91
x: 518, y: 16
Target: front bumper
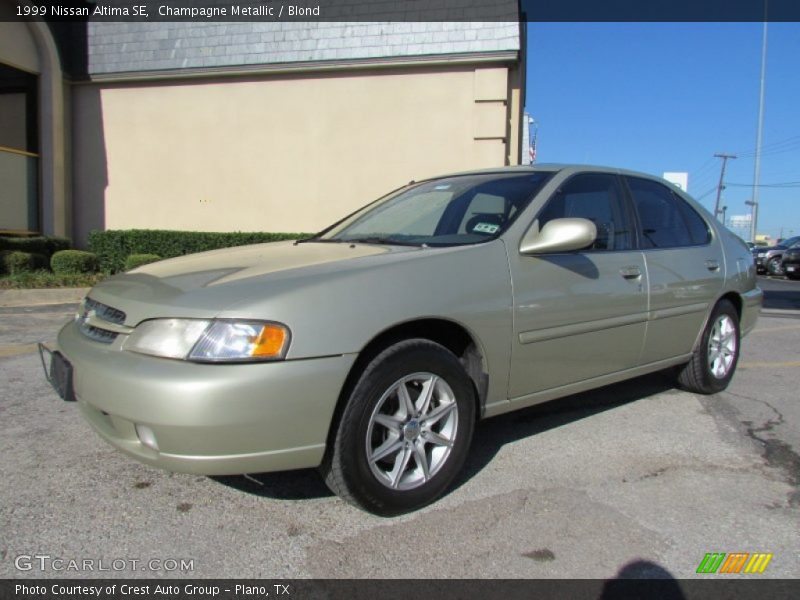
x: 209, y: 419
x: 791, y: 267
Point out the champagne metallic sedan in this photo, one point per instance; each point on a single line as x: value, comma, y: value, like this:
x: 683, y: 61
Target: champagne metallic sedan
x: 371, y: 349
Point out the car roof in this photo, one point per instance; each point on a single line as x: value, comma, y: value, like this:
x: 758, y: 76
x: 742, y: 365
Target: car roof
x: 551, y: 168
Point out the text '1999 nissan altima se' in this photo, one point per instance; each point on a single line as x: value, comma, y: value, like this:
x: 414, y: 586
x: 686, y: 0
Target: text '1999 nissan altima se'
x: 371, y: 349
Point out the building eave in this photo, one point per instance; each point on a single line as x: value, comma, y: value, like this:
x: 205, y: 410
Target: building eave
x: 431, y: 60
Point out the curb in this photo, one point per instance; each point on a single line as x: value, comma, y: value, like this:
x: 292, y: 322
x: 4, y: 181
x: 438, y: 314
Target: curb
x: 779, y: 311
x: 40, y: 297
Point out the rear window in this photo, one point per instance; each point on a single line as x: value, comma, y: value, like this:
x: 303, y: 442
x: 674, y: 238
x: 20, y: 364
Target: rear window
x: 666, y: 221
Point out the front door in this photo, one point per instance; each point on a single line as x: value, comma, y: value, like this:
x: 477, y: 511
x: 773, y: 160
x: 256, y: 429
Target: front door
x: 579, y: 315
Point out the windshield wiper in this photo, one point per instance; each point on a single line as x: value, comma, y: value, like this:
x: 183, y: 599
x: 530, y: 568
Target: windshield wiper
x: 374, y: 239
x: 319, y: 240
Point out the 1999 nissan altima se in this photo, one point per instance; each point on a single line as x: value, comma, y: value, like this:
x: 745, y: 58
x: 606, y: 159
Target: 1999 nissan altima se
x: 371, y: 349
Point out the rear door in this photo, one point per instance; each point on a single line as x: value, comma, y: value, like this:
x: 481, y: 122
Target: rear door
x: 685, y: 267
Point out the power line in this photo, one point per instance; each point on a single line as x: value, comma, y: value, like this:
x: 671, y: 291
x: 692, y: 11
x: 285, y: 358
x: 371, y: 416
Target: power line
x: 698, y: 198
x: 785, y: 184
x: 785, y: 145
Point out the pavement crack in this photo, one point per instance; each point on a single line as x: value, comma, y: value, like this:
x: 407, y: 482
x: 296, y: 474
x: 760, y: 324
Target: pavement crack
x: 742, y: 396
x: 772, y: 423
x: 777, y: 453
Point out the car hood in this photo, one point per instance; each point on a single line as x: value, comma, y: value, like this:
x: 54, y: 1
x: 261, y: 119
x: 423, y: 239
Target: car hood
x: 204, y: 284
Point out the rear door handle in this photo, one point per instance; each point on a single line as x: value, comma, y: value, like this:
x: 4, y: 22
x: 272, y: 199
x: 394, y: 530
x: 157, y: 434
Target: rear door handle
x: 631, y: 272
x: 712, y: 265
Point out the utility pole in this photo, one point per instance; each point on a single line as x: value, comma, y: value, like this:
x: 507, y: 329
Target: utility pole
x: 721, y: 185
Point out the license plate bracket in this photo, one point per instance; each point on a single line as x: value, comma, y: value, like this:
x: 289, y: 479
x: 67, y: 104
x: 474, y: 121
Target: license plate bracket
x: 58, y: 372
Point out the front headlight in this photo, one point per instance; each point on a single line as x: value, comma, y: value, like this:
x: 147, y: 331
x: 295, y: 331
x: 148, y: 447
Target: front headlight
x: 210, y: 341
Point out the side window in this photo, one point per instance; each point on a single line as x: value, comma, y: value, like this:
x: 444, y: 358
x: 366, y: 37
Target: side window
x: 660, y: 215
x: 698, y: 228
x: 593, y: 196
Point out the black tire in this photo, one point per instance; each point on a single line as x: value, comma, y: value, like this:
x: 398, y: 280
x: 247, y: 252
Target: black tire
x: 775, y: 266
x: 347, y: 470
x: 702, y: 375
x: 792, y: 276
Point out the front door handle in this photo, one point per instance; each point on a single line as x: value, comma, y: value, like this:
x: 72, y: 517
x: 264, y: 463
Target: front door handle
x: 631, y: 272
x: 712, y: 265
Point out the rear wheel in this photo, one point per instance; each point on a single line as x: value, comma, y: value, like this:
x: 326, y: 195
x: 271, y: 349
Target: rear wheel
x: 775, y: 266
x: 405, y: 431
x: 714, y: 361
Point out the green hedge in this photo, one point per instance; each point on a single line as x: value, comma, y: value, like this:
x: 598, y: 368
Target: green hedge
x: 114, y: 246
x: 137, y: 260
x: 35, y: 245
x: 15, y: 262
x: 71, y: 262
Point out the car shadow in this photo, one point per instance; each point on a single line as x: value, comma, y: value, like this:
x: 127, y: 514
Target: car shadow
x: 304, y: 484
x: 490, y: 436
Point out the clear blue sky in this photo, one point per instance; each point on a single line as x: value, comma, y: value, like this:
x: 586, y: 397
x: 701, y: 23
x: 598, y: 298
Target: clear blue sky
x: 658, y: 97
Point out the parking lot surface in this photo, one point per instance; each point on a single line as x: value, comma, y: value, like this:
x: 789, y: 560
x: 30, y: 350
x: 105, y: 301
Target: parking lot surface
x: 638, y: 475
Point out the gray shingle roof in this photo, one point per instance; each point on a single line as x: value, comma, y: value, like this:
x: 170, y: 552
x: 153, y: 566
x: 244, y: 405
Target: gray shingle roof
x: 120, y: 47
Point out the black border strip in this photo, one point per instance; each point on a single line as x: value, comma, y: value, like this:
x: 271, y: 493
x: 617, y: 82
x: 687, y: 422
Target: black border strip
x: 410, y: 10
x: 711, y: 587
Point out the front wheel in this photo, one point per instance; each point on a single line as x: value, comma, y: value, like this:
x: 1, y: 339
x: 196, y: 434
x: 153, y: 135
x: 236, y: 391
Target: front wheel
x: 714, y: 361
x: 405, y: 431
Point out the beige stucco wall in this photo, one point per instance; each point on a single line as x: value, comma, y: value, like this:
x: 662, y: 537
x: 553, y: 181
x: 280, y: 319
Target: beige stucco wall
x: 278, y: 153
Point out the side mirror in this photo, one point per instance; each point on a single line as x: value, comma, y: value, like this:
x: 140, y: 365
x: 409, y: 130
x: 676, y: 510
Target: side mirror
x: 559, y: 235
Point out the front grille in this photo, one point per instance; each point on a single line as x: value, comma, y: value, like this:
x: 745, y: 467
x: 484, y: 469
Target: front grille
x: 105, y: 312
x: 102, y: 312
x: 95, y: 333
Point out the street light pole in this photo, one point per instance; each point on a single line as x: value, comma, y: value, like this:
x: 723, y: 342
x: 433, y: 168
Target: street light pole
x: 757, y: 169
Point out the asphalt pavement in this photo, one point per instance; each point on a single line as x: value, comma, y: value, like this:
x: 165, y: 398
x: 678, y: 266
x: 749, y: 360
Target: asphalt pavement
x: 639, y: 476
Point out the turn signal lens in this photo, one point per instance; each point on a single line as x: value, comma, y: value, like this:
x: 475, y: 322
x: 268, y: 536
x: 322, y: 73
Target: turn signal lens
x: 270, y: 341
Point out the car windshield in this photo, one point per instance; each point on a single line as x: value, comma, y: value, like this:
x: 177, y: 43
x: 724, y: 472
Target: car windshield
x: 451, y: 211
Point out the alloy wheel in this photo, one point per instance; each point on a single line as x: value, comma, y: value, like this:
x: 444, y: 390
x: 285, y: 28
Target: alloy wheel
x: 722, y: 346
x: 412, y: 431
